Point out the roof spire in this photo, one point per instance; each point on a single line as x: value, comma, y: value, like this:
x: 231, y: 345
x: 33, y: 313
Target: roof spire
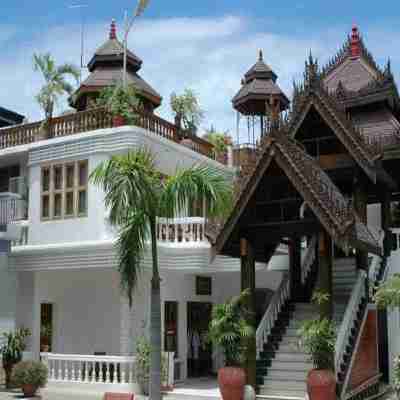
x: 355, y: 42
x: 260, y: 55
x: 113, y: 30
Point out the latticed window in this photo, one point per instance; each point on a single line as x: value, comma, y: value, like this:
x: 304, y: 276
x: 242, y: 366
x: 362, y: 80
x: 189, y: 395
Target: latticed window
x: 64, y: 190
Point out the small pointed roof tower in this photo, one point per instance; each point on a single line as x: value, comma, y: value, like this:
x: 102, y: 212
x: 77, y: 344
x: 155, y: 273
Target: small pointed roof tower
x: 258, y: 86
x: 106, y: 68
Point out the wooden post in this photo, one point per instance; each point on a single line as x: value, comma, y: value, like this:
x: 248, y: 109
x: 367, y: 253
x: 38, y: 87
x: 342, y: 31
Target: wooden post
x: 360, y: 200
x: 296, y: 289
x: 383, y: 340
x: 248, y: 281
x: 325, y: 273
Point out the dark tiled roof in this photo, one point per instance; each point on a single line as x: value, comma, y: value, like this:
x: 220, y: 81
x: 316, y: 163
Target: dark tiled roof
x: 103, y: 76
x: 8, y: 117
x: 333, y: 211
x: 113, y: 50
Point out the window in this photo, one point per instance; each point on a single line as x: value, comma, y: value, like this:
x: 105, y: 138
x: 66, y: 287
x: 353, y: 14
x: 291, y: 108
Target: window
x: 64, y: 190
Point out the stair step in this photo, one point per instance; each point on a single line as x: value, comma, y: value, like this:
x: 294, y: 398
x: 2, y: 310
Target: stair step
x: 285, y: 385
x: 282, y: 356
x: 291, y: 366
x: 291, y: 375
x: 272, y: 395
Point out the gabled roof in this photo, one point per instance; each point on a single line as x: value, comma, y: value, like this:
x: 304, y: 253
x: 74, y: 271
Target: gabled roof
x: 348, y: 134
x: 353, y: 65
x: 333, y: 211
x: 8, y: 117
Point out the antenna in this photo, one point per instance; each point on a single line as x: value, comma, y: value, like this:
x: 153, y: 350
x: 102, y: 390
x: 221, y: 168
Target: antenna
x: 81, y: 7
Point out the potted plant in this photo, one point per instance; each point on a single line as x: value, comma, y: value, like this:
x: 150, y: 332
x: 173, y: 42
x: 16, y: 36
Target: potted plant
x: 11, y: 351
x: 143, y: 352
x: 318, y: 338
x: 30, y: 376
x: 122, y: 102
x: 230, y: 331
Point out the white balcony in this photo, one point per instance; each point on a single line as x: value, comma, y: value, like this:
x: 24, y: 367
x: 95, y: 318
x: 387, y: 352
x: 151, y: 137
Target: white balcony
x: 12, y: 208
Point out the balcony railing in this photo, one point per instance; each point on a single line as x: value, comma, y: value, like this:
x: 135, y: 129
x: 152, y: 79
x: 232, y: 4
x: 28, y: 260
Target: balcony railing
x: 181, y: 230
x: 12, y: 208
x: 98, y: 118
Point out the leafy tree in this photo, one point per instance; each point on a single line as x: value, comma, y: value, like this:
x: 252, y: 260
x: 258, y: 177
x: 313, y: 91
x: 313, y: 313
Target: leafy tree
x: 136, y: 195
x: 218, y: 139
x: 187, y: 109
x: 56, y: 83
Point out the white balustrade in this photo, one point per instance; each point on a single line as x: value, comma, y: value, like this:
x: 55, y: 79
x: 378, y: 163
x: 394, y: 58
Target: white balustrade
x: 181, y: 230
x: 89, y: 369
x: 12, y: 208
x: 309, y: 259
x: 350, y: 316
x: 278, y: 300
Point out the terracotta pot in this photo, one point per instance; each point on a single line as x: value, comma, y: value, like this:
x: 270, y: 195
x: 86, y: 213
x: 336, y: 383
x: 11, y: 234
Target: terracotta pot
x: 29, y: 390
x: 231, y: 382
x: 321, y: 385
x: 118, y: 120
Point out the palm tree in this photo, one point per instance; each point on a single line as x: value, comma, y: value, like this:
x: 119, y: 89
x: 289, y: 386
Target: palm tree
x: 136, y: 194
x: 55, y: 84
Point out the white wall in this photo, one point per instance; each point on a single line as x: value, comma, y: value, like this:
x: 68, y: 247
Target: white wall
x: 374, y: 215
x: 8, y: 300
x: 86, y: 307
x: 88, y: 228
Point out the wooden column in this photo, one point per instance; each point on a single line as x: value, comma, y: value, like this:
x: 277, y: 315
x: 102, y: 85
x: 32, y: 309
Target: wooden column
x: 248, y: 281
x: 360, y: 201
x: 296, y: 288
x: 325, y: 273
x: 386, y: 221
x: 383, y: 340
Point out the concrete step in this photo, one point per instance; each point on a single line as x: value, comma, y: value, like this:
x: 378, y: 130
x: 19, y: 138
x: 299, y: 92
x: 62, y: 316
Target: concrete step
x: 344, y: 261
x: 292, y: 375
x: 285, y: 385
x: 277, y: 396
x: 282, y: 356
x: 291, y: 366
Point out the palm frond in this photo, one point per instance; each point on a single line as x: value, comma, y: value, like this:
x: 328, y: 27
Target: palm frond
x: 131, y: 245
x: 68, y: 69
x: 199, y: 184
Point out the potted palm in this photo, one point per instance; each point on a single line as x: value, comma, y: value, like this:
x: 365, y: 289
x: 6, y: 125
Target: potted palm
x: 45, y: 337
x: 11, y: 351
x: 318, y: 338
x: 230, y: 331
x: 122, y: 102
x: 30, y: 376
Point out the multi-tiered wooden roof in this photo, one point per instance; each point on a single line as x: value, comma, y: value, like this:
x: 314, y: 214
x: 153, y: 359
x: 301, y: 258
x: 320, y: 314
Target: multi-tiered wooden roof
x: 106, y: 69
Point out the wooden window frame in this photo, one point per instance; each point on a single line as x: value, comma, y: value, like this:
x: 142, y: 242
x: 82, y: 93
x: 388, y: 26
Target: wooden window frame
x: 52, y: 192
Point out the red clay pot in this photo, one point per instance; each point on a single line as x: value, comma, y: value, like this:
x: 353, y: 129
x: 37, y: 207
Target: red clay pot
x: 231, y: 382
x: 29, y: 390
x: 118, y: 120
x: 321, y: 385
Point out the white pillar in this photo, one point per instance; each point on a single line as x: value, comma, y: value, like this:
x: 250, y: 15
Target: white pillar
x: 8, y: 290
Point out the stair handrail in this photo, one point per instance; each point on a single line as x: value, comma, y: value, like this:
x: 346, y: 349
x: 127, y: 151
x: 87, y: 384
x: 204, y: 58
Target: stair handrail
x: 279, y: 298
x: 309, y: 259
x: 350, y: 315
x: 374, y: 269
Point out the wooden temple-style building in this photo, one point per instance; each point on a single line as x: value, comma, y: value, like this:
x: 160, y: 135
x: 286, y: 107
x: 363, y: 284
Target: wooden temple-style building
x: 106, y: 69
x: 316, y: 167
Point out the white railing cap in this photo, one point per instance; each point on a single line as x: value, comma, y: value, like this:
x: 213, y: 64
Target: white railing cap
x: 81, y: 357
x: 181, y: 220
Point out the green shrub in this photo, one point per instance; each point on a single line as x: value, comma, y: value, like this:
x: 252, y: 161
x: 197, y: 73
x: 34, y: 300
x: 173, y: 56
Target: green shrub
x: 30, y: 373
x: 230, y: 330
x: 396, y: 377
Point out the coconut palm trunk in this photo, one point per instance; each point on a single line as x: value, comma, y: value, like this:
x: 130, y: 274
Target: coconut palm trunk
x: 155, y: 324
x: 136, y: 194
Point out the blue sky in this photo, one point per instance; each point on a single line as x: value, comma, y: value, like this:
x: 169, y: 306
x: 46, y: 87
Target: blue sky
x: 203, y: 44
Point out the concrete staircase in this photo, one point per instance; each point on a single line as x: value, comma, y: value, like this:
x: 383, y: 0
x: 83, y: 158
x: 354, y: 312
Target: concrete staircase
x: 283, y: 366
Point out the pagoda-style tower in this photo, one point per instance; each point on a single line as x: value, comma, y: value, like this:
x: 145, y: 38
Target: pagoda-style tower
x: 106, y: 69
x: 261, y: 101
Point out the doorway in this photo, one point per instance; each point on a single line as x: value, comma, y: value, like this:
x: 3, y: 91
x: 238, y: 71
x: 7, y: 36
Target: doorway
x: 199, y: 356
x: 46, y: 327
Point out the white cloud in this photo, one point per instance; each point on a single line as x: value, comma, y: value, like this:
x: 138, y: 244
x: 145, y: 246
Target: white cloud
x: 209, y: 55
